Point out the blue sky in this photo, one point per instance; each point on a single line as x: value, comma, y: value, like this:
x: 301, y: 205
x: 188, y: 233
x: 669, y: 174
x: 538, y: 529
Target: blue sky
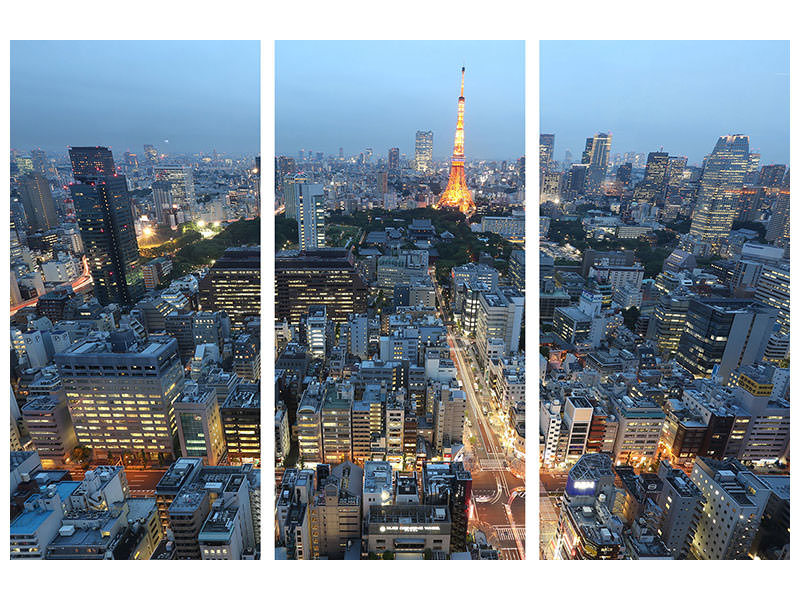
x: 681, y: 95
x: 377, y: 94
x: 198, y: 95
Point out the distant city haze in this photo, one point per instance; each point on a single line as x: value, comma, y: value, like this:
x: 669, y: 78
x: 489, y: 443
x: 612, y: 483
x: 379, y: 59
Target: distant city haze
x: 679, y: 95
x: 356, y: 95
x: 180, y: 96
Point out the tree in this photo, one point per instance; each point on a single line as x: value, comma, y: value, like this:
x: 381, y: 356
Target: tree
x: 388, y: 555
x: 630, y: 316
x: 81, y: 454
x: 428, y: 554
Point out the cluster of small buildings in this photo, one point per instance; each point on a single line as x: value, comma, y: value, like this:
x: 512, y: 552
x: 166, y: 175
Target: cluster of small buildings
x: 195, y: 512
x: 351, y: 512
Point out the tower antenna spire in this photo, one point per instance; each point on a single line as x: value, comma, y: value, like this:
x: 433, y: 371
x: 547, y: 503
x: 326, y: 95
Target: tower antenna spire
x: 457, y: 194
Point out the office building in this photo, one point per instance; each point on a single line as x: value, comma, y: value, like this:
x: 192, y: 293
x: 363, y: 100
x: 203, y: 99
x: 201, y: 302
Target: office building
x: 653, y: 187
x: 103, y: 210
x: 121, y: 393
x: 310, y: 215
x: 423, y: 151
x: 734, y: 501
x: 199, y: 423
x: 325, y: 276
x: 241, y: 423
x: 724, y: 333
x: 680, y: 503
x: 317, y: 331
x: 40, y: 209
x: 180, y: 182
x: 596, y: 155
x: 233, y: 285
x: 547, y: 142
x: 335, y: 413
x: 336, y: 510
x: 247, y: 357
x: 50, y: 427
x: 723, y: 175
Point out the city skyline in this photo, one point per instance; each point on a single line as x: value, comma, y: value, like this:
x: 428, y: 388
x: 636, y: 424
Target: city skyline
x: 321, y: 84
x: 664, y: 286
x: 654, y: 94
x: 167, y: 89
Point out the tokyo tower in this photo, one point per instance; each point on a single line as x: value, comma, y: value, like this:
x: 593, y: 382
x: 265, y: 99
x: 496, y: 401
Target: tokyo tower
x: 456, y: 194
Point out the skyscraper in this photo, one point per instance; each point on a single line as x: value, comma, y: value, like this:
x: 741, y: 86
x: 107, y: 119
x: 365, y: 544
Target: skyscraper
x: 595, y: 155
x: 770, y: 175
x: 653, y: 187
x: 91, y: 162
x: 547, y: 142
x: 103, y: 210
x: 394, y: 160
x: 310, y: 215
x: 38, y: 202
x: 457, y: 195
x: 181, y: 184
x: 722, y: 179
x: 778, y: 229
x: 423, y: 151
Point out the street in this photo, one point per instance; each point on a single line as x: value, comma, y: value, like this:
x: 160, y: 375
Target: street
x: 142, y: 482
x: 499, y: 495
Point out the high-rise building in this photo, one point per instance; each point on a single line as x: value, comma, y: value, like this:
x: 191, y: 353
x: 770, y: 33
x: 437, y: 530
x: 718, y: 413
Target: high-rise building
x: 449, y: 408
x: 199, y: 423
x: 336, y: 510
x: 449, y: 484
x: 247, y: 357
x: 771, y: 175
x: 325, y: 276
x: 103, y: 210
x: 233, y: 285
x: 734, y: 500
x: 653, y: 187
x: 423, y: 151
x: 309, y: 423
x: 668, y: 322
x: 778, y: 228
x: 310, y: 215
x: 241, y: 423
x: 317, y: 331
x: 337, y: 404
x: 722, y: 179
x: 90, y: 163
x: 723, y: 334
x: 394, y: 161
x: 121, y: 393
x: 547, y: 142
x: 680, y: 503
x: 50, y: 427
x: 773, y: 290
x: 457, y: 194
x: 181, y: 184
x: 595, y: 155
x: 37, y: 200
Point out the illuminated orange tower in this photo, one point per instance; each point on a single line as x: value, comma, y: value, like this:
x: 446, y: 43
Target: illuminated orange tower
x: 456, y: 194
